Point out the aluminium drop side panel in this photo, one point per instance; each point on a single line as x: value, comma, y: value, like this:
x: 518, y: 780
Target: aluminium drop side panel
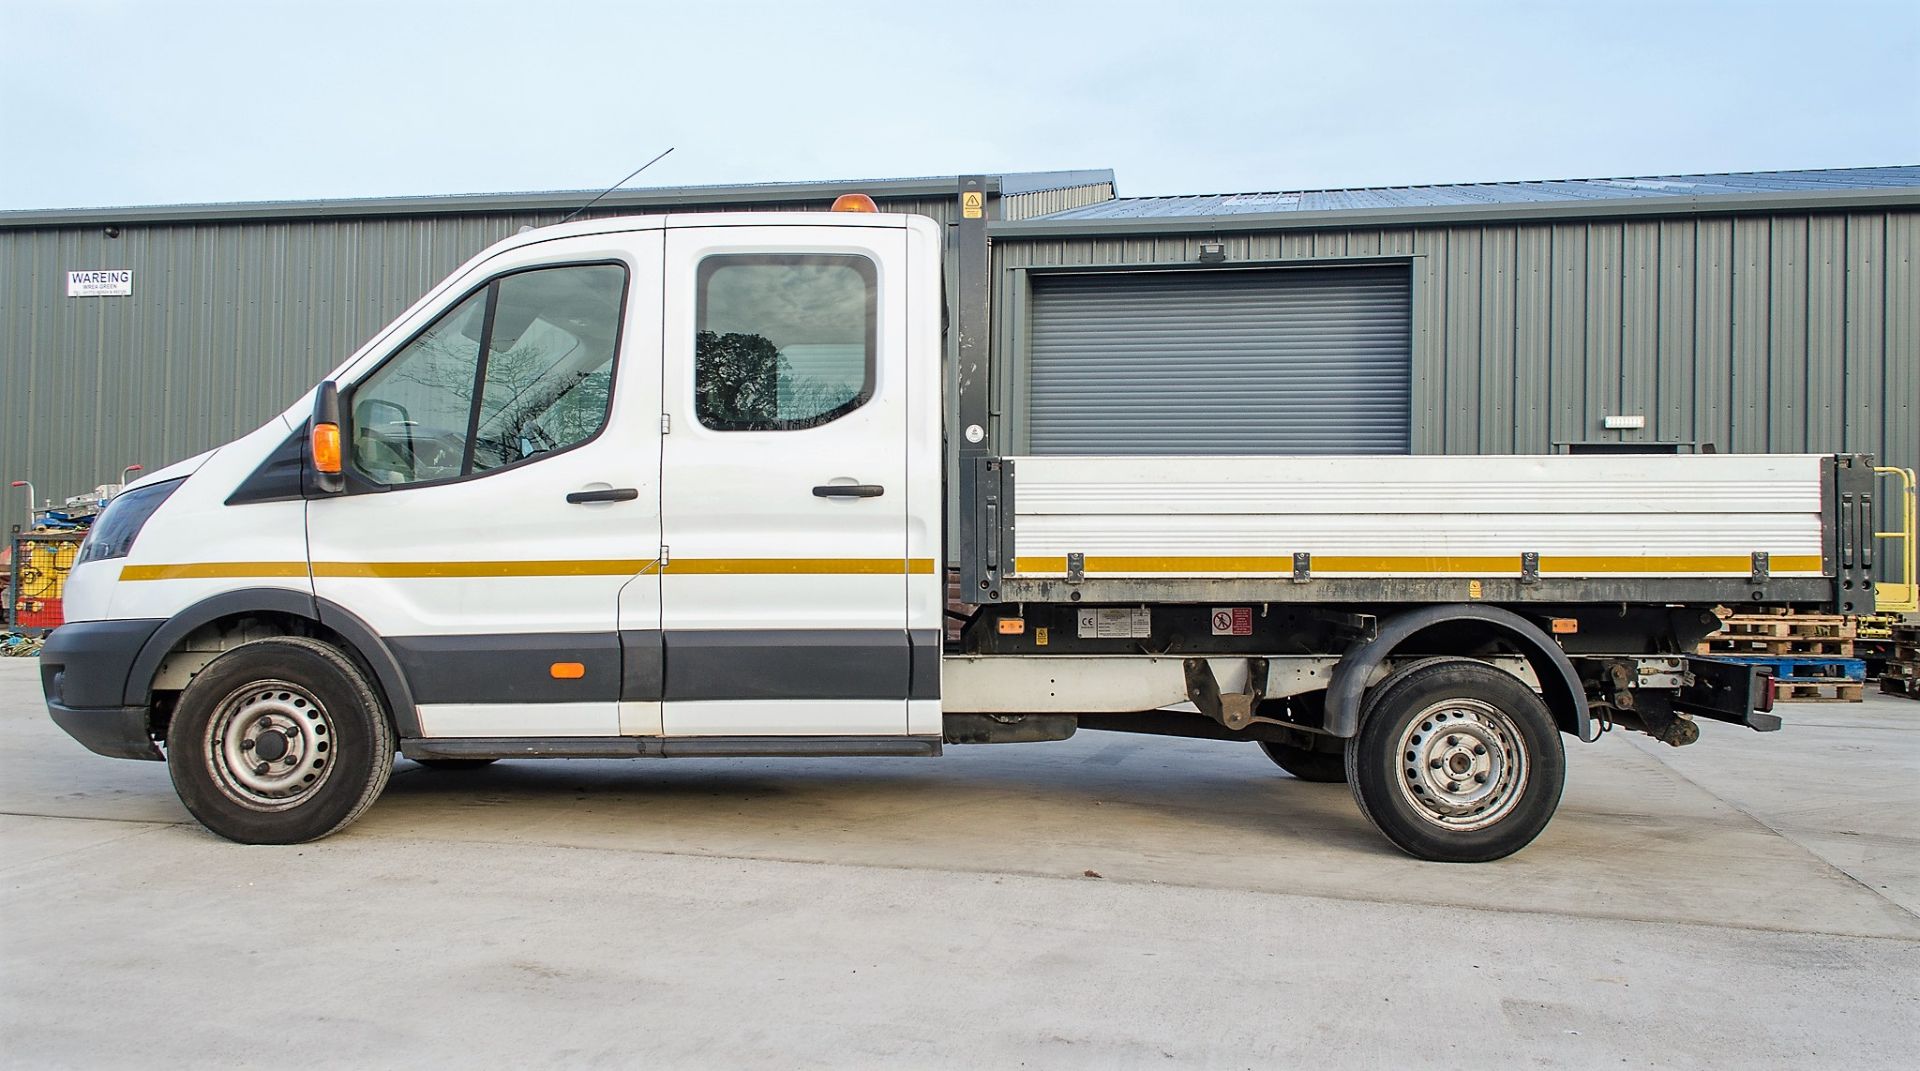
x: 1260, y: 361
x: 1426, y: 516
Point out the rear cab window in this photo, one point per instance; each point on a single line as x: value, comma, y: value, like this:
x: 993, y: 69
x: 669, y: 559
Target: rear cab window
x: 783, y: 342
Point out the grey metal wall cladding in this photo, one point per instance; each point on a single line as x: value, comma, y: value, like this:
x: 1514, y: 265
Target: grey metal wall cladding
x: 1221, y: 362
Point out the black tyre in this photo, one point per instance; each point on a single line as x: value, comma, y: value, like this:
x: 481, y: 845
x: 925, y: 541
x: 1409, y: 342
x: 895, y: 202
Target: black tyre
x: 1457, y: 762
x: 279, y: 741
x: 454, y: 764
x: 1321, y: 767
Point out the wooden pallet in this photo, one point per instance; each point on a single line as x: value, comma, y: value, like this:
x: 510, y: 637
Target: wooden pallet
x: 1802, y: 634
x: 1798, y: 626
x: 1759, y: 645
x: 1803, y: 692
x: 1908, y: 686
x: 1905, y: 639
x: 1780, y: 634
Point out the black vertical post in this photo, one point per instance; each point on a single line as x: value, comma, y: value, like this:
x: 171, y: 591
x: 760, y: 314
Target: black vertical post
x: 972, y: 381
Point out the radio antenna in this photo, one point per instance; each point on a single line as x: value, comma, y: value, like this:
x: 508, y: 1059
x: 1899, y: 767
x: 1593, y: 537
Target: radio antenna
x: 619, y: 184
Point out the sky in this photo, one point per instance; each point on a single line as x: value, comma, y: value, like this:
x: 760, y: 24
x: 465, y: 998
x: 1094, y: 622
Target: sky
x: 128, y: 102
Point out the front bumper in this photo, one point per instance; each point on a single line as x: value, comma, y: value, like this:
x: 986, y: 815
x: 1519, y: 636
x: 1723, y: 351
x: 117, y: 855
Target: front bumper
x: 116, y: 732
x: 84, y: 672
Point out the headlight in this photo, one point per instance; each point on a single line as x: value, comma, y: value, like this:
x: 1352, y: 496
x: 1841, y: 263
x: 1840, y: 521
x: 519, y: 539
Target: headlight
x: 112, y: 535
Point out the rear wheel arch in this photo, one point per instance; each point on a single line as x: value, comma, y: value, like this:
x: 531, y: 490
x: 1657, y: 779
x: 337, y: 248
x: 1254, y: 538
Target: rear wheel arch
x: 1559, y: 682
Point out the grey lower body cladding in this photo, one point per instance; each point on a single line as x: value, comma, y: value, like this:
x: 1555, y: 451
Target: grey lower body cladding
x: 86, y: 669
x: 674, y: 665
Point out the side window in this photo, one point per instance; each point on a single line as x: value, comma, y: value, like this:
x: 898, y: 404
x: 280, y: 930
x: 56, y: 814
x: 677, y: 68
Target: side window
x: 783, y: 342
x: 521, y: 368
x: 410, y: 417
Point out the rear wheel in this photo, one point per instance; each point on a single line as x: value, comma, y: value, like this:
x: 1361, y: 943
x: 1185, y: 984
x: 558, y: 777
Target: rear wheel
x: 279, y: 741
x: 1457, y: 762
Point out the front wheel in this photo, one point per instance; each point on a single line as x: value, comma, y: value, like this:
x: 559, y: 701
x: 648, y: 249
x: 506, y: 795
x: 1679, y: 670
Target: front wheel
x: 1457, y: 762
x: 279, y: 741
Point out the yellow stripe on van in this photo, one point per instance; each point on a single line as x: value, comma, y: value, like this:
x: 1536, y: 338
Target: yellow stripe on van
x: 798, y: 566
x: 468, y: 570
x: 1670, y: 565
x: 212, y: 570
x: 579, y: 567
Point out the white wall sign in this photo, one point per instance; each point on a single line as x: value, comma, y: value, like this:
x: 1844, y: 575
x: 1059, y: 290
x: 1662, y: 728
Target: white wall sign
x: 107, y: 282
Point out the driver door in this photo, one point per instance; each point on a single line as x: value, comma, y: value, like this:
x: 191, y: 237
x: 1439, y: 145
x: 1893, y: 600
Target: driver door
x: 503, y: 490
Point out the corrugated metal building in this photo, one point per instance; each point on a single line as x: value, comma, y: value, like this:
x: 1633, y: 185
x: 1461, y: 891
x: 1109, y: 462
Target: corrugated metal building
x: 238, y: 308
x: 1754, y: 312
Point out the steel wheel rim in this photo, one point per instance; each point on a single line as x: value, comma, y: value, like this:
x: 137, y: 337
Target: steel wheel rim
x: 269, y: 745
x: 1463, y: 765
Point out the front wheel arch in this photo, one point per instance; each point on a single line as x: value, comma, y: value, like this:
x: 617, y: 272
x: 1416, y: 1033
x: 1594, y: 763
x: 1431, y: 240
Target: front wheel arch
x: 306, y: 615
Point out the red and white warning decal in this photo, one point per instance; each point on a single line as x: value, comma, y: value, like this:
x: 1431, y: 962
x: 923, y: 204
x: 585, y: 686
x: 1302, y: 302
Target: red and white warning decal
x: 1233, y: 621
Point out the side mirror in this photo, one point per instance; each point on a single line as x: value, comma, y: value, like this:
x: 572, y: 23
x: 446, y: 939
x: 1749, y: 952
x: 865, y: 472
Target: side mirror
x: 323, y: 440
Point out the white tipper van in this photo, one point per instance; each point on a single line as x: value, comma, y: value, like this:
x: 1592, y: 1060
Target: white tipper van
x: 678, y: 486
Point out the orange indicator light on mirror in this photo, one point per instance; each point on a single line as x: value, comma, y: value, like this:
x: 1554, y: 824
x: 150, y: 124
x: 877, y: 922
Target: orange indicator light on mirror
x: 326, y: 448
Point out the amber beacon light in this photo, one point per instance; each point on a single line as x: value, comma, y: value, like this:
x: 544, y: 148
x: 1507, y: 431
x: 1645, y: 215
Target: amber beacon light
x: 854, y: 202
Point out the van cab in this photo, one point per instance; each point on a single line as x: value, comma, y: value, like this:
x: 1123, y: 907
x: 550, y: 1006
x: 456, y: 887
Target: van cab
x: 611, y: 486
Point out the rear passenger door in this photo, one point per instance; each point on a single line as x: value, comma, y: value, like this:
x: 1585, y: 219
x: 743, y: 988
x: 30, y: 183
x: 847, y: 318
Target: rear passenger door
x: 783, y: 482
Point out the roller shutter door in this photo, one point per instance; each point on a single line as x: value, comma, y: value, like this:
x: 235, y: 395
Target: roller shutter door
x: 1309, y: 361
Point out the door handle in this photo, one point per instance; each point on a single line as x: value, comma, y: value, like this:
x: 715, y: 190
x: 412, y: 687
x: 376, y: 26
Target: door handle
x: 611, y: 494
x: 849, y: 490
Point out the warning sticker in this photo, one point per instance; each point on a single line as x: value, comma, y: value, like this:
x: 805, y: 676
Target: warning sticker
x: 973, y: 204
x: 1115, y: 624
x: 1233, y: 621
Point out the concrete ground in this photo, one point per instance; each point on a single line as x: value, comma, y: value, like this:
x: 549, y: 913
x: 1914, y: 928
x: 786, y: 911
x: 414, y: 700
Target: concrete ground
x: 1751, y: 901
